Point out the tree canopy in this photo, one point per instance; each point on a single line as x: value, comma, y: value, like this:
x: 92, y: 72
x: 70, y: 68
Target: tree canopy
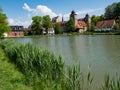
x: 57, y: 28
x: 47, y: 23
x: 37, y: 24
x: 3, y: 23
x: 71, y: 25
x: 112, y: 11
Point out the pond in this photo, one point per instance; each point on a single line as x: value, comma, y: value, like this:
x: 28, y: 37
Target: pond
x: 101, y: 52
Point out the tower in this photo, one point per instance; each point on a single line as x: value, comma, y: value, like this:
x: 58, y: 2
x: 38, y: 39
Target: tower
x: 74, y: 16
x: 62, y: 19
x: 87, y: 19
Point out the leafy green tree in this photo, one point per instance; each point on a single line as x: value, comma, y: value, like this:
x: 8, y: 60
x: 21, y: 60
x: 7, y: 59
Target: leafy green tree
x: 116, y: 26
x: 94, y: 20
x: 112, y: 11
x: 37, y: 24
x: 57, y: 28
x: 93, y: 27
x: 109, y: 11
x: 3, y: 24
x: 47, y: 23
x: 117, y: 11
x: 71, y: 25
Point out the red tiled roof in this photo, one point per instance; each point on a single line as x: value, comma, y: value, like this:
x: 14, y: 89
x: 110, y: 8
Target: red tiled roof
x: 81, y: 24
x: 81, y: 19
x: 105, y: 23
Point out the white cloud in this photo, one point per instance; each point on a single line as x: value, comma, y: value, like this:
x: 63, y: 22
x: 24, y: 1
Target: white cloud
x: 19, y: 22
x: 83, y: 12
x: 10, y: 21
x: 88, y: 11
x: 40, y: 10
x: 26, y: 7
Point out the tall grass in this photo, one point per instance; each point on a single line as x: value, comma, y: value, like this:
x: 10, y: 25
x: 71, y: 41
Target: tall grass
x: 111, y: 84
x: 44, y: 71
x: 33, y: 61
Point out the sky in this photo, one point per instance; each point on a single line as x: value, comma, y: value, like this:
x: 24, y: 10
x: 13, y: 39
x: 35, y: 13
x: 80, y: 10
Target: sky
x: 20, y: 12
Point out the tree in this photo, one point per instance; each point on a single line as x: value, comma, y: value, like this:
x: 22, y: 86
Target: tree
x: 117, y: 11
x: 3, y: 24
x: 37, y: 24
x: 47, y: 23
x: 116, y: 27
x: 57, y: 28
x: 94, y: 20
x: 71, y: 25
x: 112, y: 11
x: 93, y: 27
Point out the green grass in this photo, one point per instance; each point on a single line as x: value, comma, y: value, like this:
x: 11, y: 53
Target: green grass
x: 33, y: 68
x: 10, y: 77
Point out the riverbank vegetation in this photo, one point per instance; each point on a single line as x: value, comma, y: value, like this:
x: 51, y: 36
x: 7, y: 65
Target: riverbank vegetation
x: 10, y: 77
x: 30, y: 67
x: 4, y: 28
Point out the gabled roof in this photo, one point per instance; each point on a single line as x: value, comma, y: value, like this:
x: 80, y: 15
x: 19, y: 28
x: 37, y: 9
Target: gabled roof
x: 105, y: 23
x: 81, y: 23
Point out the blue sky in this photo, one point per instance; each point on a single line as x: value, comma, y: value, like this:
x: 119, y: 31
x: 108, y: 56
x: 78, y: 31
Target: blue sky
x: 20, y: 12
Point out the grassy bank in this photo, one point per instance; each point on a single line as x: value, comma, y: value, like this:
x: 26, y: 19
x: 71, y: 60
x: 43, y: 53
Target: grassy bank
x: 10, y: 77
x: 40, y: 69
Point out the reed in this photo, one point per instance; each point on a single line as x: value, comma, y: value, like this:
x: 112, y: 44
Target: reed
x: 111, y: 84
x: 33, y: 61
x: 44, y: 71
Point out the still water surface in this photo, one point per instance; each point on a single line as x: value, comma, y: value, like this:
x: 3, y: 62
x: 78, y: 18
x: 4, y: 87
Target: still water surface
x: 101, y: 52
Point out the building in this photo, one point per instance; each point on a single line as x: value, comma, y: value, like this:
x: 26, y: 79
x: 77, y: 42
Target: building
x: 80, y: 24
x: 56, y: 19
x: 16, y: 31
x: 106, y: 25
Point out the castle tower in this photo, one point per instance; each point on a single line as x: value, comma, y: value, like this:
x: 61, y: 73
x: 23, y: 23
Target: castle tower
x: 87, y: 19
x: 62, y: 19
x: 74, y: 16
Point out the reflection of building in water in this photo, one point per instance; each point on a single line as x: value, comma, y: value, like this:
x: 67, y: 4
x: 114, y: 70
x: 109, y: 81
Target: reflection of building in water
x: 81, y: 24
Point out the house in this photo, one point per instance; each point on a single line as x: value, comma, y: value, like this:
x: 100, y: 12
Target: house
x: 16, y: 31
x: 50, y: 31
x: 106, y: 25
x: 56, y: 19
x: 80, y: 24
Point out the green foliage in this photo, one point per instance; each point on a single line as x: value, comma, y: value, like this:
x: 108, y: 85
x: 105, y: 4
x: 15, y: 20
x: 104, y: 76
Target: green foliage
x: 35, y: 63
x: 117, y: 11
x: 3, y: 24
x: 57, y: 28
x: 25, y: 32
x: 112, y: 11
x: 116, y: 27
x: 47, y: 23
x: 37, y: 24
x: 111, y: 84
x: 10, y: 78
x: 93, y: 27
x: 41, y: 70
x: 71, y: 25
x: 95, y: 19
